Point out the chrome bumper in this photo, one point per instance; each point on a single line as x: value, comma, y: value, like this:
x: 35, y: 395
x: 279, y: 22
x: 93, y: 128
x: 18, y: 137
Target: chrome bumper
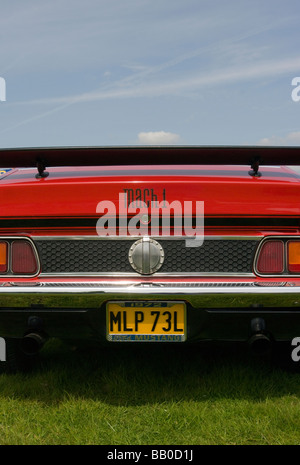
x: 215, y: 310
x: 198, y: 295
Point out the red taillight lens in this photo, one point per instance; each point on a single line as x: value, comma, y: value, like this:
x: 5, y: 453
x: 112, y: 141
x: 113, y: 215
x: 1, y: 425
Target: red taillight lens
x: 23, y: 259
x: 3, y: 257
x: 271, y: 257
x: 294, y: 256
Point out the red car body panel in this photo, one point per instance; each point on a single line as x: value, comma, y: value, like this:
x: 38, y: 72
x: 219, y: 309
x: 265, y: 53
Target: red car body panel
x: 69, y: 192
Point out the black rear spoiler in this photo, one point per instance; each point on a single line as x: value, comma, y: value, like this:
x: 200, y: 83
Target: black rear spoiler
x: 253, y: 156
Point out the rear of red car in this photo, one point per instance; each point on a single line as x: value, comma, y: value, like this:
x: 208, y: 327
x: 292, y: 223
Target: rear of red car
x: 161, y: 245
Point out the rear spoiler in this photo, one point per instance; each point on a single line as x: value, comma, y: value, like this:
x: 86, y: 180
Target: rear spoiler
x: 253, y: 156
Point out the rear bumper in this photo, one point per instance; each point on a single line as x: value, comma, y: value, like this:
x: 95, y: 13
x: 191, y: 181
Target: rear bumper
x: 220, y: 311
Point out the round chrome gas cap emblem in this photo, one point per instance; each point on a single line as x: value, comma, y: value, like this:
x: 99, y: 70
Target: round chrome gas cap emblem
x: 146, y: 256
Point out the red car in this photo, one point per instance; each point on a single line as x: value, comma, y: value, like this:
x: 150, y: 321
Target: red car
x: 148, y: 245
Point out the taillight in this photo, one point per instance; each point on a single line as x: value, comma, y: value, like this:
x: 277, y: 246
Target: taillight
x: 18, y: 257
x: 3, y: 257
x: 293, y: 256
x: 23, y: 259
x: 271, y: 257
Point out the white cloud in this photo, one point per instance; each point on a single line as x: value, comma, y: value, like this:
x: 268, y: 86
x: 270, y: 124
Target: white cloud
x: 293, y: 138
x: 158, y: 138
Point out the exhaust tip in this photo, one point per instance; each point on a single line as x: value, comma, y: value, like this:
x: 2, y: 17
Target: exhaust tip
x: 32, y: 343
x: 260, y: 344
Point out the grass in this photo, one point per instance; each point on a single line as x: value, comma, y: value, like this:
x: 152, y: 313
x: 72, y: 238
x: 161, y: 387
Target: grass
x: 150, y: 395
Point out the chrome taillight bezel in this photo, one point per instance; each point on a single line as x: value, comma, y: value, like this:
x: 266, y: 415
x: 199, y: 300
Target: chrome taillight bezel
x: 285, y: 271
x: 9, y: 273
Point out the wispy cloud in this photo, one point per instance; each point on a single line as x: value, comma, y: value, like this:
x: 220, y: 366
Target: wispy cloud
x: 136, y: 86
x: 35, y: 118
x: 140, y: 85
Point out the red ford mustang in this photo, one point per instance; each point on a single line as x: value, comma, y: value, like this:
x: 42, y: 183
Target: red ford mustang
x: 148, y: 244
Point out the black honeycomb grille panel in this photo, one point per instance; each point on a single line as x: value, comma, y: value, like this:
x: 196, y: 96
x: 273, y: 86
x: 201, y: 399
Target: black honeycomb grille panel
x: 111, y: 256
x: 218, y: 256
x: 84, y: 256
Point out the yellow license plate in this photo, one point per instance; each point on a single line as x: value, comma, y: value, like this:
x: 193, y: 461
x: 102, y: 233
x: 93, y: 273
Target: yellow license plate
x: 144, y: 321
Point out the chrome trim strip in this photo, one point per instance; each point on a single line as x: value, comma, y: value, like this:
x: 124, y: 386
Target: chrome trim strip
x: 159, y: 275
x: 134, y: 238
x: 42, y: 288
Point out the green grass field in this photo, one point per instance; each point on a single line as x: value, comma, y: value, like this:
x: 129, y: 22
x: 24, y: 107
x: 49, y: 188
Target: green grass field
x: 150, y: 395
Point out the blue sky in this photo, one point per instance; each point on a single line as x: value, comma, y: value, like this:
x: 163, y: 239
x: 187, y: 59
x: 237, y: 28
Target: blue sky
x: 116, y: 72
